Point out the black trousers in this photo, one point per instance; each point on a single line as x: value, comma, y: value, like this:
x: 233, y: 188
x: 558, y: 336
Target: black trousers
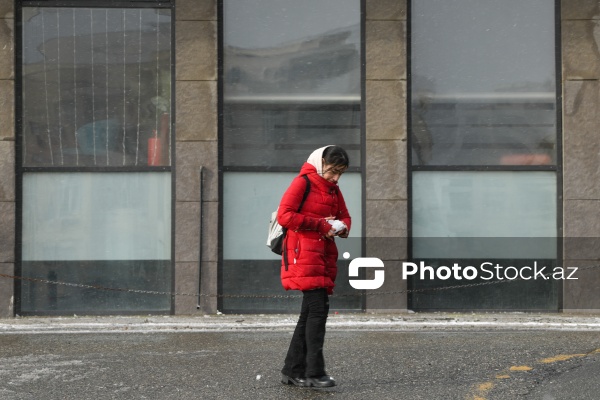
x: 305, y: 354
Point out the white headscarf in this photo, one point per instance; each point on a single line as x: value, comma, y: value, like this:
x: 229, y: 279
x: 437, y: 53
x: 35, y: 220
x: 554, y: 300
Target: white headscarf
x: 316, y: 159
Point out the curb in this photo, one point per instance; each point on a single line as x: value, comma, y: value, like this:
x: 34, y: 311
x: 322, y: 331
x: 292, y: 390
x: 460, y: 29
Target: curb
x: 286, y: 322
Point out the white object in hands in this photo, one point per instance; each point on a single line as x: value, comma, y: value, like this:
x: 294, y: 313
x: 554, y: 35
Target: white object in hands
x: 337, y: 225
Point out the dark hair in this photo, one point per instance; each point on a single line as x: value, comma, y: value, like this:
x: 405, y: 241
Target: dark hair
x: 335, y: 155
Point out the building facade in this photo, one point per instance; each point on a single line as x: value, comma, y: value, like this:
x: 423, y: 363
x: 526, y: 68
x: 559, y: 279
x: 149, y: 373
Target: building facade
x: 143, y: 145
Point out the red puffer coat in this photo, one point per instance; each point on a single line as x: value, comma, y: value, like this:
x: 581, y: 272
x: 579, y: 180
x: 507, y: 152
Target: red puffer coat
x: 311, y: 256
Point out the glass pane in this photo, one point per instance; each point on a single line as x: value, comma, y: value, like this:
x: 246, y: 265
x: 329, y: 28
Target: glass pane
x: 249, y: 200
x: 484, y: 214
x: 109, y: 229
x: 148, y: 275
x: 491, y: 295
x: 87, y: 216
x: 291, y: 80
x: 485, y: 220
x: 96, y: 87
x: 483, y: 82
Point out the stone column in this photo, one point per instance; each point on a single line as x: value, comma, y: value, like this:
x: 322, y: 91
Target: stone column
x: 386, y: 198
x: 581, y: 152
x: 7, y: 158
x: 196, y: 147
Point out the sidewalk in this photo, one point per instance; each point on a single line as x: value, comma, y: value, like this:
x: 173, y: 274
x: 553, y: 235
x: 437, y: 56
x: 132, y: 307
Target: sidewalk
x: 415, y: 356
x: 279, y: 322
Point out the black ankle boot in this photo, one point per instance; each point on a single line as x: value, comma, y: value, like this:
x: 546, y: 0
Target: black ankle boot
x: 287, y: 380
x: 320, y: 381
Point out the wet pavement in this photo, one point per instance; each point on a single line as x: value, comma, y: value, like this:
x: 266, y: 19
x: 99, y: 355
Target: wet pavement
x: 372, y: 356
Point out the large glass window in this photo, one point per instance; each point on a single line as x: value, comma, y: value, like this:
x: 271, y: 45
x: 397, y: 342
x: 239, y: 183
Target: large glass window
x: 108, y: 229
x: 484, y: 155
x: 291, y: 84
x: 96, y: 86
x: 95, y: 152
x: 483, y: 82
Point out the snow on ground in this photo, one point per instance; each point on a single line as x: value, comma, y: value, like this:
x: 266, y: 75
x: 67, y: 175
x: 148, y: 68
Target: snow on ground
x: 343, y: 321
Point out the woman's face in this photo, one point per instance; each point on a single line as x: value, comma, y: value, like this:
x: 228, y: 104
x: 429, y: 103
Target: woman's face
x: 332, y: 172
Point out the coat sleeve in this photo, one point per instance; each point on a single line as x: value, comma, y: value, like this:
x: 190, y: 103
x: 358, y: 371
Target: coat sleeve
x: 288, y: 215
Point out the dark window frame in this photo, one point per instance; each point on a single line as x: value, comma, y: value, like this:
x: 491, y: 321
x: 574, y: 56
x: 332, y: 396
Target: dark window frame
x: 222, y: 168
x: 557, y: 167
x: 20, y: 170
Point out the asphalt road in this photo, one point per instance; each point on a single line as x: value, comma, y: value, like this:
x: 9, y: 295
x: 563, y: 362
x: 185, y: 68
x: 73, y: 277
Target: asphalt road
x: 430, y: 363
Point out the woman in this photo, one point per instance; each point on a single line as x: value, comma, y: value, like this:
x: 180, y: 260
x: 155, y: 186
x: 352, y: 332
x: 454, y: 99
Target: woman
x: 311, y: 259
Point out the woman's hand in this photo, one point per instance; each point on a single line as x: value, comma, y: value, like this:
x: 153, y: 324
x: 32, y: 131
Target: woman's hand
x: 331, y: 232
x: 343, y: 233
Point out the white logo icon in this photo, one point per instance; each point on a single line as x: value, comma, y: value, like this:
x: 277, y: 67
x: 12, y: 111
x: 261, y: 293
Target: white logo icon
x: 366, y: 262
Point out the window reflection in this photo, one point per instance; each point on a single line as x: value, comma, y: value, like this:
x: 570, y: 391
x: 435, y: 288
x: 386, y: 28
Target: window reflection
x: 96, y: 86
x: 291, y: 84
x: 291, y: 80
x: 483, y: 82
x: 483, y: 93
x: 498, y: 129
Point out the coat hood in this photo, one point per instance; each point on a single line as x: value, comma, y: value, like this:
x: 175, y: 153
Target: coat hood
x: 313, y: 168
x: 316, y: 159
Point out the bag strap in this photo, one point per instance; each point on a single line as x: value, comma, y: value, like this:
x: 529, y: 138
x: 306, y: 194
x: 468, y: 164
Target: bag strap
x: 306, y: 191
